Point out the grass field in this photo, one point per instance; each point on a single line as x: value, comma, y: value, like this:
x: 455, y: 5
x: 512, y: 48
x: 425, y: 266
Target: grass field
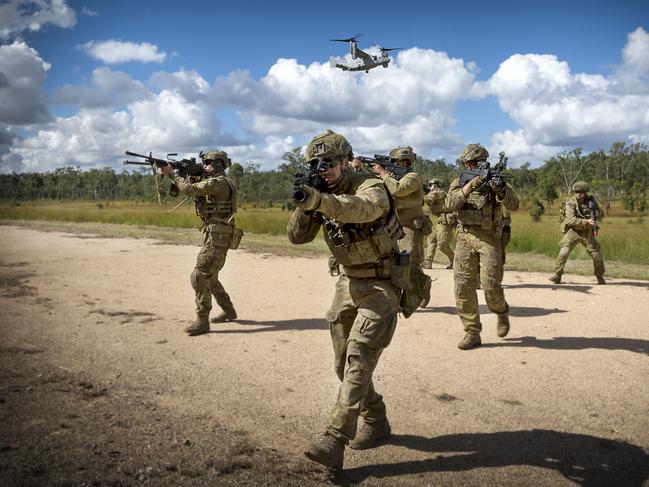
x: 533, y: 246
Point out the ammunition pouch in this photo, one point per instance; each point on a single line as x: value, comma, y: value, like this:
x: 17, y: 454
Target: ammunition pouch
x: 400, y: 270
x: 506, y: 234
x: 215, y: 209
x: 411, y: 280
x: 237, y: 235
x: 360, y: 245
x: 482, y: 217
x: 447, y: 219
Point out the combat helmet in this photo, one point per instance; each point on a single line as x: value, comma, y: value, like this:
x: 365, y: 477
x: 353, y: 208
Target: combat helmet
x: 580, y: 186
x: 474, y: 152
x: 403, y: 153
x: 216, y: 156
x: 435, y: 182
x: 329, y: 144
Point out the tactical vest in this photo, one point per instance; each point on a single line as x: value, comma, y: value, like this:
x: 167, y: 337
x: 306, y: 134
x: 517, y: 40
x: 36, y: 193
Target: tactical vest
x: 581, y: 210
x: 481, y: 211
x: 438, y: 208
x: 211, y: 210
x: 365, y: 250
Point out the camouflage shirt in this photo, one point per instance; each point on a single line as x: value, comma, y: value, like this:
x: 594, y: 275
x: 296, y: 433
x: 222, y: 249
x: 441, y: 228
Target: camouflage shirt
x: 409, y: 193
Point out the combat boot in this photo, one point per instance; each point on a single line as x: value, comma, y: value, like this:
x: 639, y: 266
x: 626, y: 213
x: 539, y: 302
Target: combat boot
x: 450, y: 265
x: 198, y: 327
x: 327, y: 451
x: 555, y: 278
x: 426, y: 293
x: 225, y: 315
x: 370, y: 434
x: 427, y: 264
x: 470, y: 340
x: 601, y: 280
x: 502, y: 328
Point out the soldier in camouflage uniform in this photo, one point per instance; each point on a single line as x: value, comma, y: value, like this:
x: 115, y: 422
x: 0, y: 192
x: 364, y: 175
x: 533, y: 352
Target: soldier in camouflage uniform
x: 579, y: 227
x: 361, y: 229
x: 478, y: 247
x: 444, y: 221
x: 409, y: 193
x: 215, y: 197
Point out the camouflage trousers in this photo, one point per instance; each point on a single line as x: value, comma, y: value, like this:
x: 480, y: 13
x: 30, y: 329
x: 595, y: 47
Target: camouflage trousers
x: 205, y: 277
x: 569, y: 242
x: 362, y: 320
x: 413, y: 242
x: 440, y: 236
x: 478, y: 255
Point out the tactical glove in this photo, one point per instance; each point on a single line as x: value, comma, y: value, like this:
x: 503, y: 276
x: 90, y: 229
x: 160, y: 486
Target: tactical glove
x: 498, y: 185
x: 476, y: 182
x: 312, y: 200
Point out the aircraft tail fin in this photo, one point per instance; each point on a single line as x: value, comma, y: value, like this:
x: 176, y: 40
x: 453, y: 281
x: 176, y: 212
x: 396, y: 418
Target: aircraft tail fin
x: 332, y: 61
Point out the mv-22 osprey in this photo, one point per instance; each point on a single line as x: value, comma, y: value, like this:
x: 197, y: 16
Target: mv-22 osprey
x: 361, y: 61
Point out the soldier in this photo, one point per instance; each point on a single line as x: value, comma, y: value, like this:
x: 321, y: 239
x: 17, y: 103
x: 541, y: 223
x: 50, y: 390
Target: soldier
x: 409, y: 193
x: 478, y: 247
x: 216, y: 203
x: 444, y: 221
x: 361, y: 229
x: 579, y: 226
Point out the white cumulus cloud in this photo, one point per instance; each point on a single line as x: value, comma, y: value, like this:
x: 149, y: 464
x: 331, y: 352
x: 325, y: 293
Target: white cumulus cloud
x: 558, y: 109
x: 114, y: 51
x: 17, y: 16
x: 107, y: 89
x: 22, y: 73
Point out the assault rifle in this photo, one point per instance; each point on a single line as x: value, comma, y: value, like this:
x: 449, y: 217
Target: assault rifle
x: 594, y: 214
x: 395, y: 170
x: 487, y: 174
x: 313, y: 178
x: 185, y: 168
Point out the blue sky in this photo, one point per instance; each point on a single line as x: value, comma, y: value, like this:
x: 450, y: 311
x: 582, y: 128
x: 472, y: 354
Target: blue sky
x: 81, y: 81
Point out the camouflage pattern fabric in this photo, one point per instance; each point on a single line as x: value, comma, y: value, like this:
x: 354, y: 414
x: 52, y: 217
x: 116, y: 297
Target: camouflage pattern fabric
x: 444, y: 221
x: 409, y: 194
x: 577, y: 230
x: 215, y: 242
x: 441, y: 236
x: 362, y: 320
x: 478, y: 251
x: 363, y: 314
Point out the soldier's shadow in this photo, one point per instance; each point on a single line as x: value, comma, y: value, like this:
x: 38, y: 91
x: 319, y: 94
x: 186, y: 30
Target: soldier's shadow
x: 630, y: 283
x: 576, y: 343
x: 583, y: 459
x: 580, y: 288
x: 282, y: 325
x: 519, y: 311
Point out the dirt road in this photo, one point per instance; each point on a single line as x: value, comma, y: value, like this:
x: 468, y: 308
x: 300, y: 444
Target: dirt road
x: 98, y: 384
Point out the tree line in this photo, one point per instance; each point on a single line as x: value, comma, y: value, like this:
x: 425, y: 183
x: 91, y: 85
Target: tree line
x: 619, y: 174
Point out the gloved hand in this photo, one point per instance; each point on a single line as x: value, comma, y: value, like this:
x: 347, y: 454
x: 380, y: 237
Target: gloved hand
x: 498, y: 185
x: 312, y: 200
x: 476, y: 182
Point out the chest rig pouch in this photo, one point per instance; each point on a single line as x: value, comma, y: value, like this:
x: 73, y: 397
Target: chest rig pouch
x: 358, y: 244
x: 210, y: 209
x: 477, y: 211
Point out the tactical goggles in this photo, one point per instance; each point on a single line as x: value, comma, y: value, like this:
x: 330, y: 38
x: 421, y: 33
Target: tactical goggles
x: 332, y: 161
x: 207, y: 162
